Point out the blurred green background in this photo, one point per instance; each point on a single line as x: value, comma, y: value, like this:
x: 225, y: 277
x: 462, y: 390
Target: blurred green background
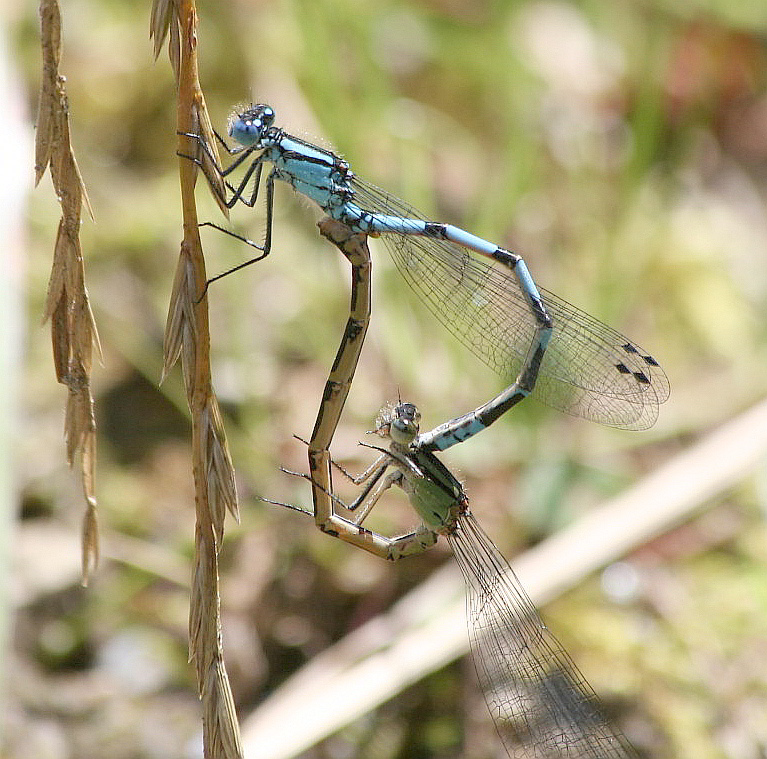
x: 621, y: 147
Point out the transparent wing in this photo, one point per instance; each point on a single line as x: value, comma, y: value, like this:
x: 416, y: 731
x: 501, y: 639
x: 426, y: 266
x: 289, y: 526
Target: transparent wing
x: 589, y: 369
x: 540, y: 702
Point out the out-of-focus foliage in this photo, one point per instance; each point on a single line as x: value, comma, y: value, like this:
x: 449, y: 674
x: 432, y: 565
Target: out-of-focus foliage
x: 622, y: 147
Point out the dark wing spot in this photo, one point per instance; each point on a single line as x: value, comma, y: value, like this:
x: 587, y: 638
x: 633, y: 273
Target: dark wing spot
x: 642, y: 377
x: 623, y: 369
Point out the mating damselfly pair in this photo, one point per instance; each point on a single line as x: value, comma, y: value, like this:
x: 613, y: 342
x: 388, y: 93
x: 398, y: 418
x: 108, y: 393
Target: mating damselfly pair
x: 485, y: 295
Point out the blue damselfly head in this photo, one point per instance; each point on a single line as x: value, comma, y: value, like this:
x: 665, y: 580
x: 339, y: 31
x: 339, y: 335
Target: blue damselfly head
x: 250, y: 126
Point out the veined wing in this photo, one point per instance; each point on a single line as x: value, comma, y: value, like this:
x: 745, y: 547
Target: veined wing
x: 540, y: 702
x: 588, y: 370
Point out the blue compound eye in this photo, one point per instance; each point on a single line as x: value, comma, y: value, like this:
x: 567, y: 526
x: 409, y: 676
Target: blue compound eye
x: 245, y: 129
x: 249, y: 126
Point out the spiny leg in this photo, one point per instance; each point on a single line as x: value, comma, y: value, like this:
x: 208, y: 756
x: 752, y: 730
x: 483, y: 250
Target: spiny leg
x: 390, y: 548
x: 238, y: 192
x: 242, y: 153
x: 357, y: 479
x: 212, y: 164
x: 257, y: 167
x: 265, y: 248
x: 371, y: 479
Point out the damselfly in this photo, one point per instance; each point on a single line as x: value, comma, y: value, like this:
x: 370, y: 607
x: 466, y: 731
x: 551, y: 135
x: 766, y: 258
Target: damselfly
x: 481, y: 292
x: 540, y: 702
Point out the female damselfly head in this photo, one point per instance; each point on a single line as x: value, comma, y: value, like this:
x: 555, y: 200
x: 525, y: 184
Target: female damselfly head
x: 400, y: 422
x: 248, y: 127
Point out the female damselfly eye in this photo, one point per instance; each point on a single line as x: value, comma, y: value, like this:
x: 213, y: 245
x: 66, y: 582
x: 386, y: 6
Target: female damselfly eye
x: 408, y: 412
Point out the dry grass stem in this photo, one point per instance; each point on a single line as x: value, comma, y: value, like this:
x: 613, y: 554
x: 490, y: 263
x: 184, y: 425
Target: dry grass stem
x: 73, y: 329
x: 187, y: 336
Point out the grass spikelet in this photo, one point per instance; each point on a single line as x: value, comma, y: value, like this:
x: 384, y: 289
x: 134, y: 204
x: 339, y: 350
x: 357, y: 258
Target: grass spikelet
x: 73, y: 329
x: 163, y: 21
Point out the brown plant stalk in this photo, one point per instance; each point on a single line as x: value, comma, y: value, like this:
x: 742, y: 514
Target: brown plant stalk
x: 187, y: 335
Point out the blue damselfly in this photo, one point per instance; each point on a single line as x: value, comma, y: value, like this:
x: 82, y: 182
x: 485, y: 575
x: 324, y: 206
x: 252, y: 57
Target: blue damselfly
x: 481, y: 292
